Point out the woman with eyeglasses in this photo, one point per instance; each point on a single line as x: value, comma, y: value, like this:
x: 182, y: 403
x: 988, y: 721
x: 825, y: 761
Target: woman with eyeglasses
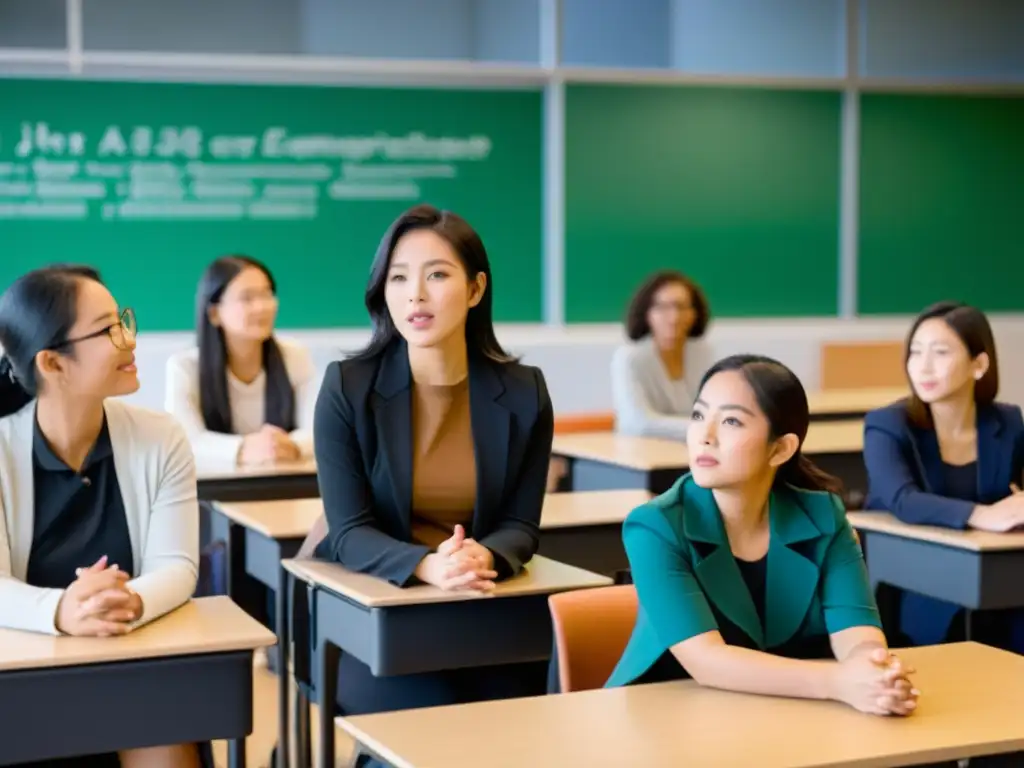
x: 99, y: 534
x: 243, y: 395
x: 655, y: 375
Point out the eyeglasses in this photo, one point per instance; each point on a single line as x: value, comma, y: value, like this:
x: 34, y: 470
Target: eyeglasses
x: 121, y: 333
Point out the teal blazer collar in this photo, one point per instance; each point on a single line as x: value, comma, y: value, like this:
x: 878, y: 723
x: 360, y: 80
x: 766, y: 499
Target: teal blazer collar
x: 792, y: 578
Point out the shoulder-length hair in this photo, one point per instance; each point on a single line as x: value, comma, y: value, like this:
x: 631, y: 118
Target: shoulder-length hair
x: 637, y: 326
x: 973, y: 329
x: 481, y: 340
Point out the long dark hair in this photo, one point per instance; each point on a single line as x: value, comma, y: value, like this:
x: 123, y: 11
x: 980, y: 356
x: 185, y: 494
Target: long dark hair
x: 782, y: 399
x: 279, y: 400
x: 37, y: 312
x: 973, y: 329
x: 637, y: 326
x: 481, y: 340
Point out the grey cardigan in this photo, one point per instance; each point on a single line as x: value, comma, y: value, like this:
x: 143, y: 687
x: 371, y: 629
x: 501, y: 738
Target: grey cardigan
x: 647, y: 402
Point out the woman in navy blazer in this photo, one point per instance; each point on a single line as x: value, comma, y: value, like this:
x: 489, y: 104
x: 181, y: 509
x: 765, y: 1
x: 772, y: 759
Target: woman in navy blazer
x: 948, y: 455
x: 432, y: 449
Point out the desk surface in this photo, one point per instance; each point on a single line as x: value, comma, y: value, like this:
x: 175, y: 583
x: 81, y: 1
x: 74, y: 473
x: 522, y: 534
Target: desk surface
x: 203, y: 625
x: 858, y: 400
x: 541, y: 576
x: 282, y: 519
x: 976, y: 541
x: 293, y: 518
x: 224, y: 471
x: 971, y: 695
x: 577, y: 509
x: 652, y: 453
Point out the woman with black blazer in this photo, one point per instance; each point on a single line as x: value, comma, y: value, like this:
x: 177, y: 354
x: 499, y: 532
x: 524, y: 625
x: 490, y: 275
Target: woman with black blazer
x: 432, y: 447
x: 949, y: 455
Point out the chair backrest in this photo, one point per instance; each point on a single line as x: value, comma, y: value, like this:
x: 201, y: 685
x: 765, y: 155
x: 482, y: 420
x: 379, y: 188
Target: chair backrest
x: 862, y: 364
x: 592, y: 628
x: 598, y: 421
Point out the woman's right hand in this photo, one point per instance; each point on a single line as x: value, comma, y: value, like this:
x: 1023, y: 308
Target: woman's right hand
x: 1003, y: 516
x: 76, y: 615
x: 875, y: 682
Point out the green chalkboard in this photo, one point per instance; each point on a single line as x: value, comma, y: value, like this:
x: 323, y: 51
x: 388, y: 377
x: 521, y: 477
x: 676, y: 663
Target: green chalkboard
x: 738, y: 187
x: 151, y: 181
x: 941, y: 202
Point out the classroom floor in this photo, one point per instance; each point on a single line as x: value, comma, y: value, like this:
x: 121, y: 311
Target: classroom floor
x: 264, y: 726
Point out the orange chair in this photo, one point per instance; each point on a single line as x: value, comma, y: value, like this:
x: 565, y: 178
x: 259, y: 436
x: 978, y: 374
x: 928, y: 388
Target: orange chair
x: 570, y: 423
x: 592, y: 627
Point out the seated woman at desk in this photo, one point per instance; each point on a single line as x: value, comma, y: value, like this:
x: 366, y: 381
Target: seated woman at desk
x: 243, y: 395
x: 98, y: 497
x: 654, y: 376
x: 747, y: 568
x: 432, y: 447
x: 948, y: 455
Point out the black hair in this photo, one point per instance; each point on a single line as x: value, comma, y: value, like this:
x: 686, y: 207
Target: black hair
x: 214, y: 403
x: 973, y: 329
x: 37, y: 312
x: 637, y: 326
x: 481, y: 340
x: 782, y: 399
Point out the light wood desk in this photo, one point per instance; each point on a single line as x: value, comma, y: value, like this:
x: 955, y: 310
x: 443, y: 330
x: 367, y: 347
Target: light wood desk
x: 973, y: 569
x: 606, y: 460
x: 227, y: 482
x: 971, y: 699
x: 398, y: 631
x: 186, y: 677
x: 584, y: 528
x: 854, y: 403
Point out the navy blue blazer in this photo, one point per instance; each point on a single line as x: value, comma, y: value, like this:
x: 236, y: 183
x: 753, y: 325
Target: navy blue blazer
x: 362, y: 435
x: 905, y: 473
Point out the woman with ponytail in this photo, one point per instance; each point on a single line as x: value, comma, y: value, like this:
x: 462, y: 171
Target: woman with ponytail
x: 98, y: 510
x: 747, y: 567
x: 242, y: 395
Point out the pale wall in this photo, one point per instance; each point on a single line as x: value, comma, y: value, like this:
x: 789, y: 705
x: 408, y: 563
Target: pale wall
x: 575, y: 361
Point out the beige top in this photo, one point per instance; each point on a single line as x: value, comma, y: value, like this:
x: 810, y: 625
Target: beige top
x: 443, y: 461
x: 971, y: 699
x: 202, y: 625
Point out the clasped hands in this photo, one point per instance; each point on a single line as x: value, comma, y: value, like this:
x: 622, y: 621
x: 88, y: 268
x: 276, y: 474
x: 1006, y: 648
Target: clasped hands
x: 459, y: 563
x: 876, y: 681
x: 98, y: 603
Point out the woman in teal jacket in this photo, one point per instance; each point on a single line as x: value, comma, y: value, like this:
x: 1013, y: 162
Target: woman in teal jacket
x: 748, y: 568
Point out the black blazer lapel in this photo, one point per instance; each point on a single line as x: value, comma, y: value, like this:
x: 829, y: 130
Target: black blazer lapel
x: 393, y: 416
x: 491, y: 427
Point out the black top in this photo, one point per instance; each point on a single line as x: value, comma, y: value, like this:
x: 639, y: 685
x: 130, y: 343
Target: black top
x: 363, y: 433
x: 961, y: 481
x: 755, y: 576
x: 79, y: 516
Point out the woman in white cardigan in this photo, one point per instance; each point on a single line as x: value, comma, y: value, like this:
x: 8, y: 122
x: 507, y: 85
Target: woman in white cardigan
x: 243, y: 396
x: 98, y: 509
x: 655, y: 376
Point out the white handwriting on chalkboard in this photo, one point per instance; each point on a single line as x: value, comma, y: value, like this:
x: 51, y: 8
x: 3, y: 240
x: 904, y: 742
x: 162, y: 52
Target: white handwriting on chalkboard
x: 39, y: 139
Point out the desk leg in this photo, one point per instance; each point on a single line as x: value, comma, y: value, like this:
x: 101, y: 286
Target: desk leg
x: 326, y: 691
x: 304, y: 732
x: 284, y: 675
x: 236, y: 753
